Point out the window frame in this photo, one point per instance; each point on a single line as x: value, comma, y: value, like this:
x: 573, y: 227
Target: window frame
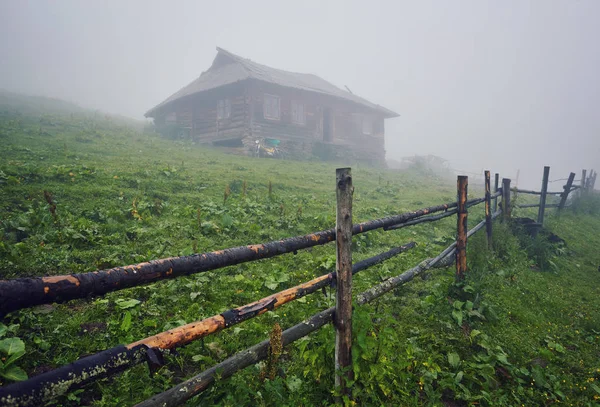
x: 265, y: 110
x: 223, y: 109
x: 297, y: 104
x: 368, y: 120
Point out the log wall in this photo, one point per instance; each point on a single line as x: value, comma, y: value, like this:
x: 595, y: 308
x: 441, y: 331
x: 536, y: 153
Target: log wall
x: 196, y: 117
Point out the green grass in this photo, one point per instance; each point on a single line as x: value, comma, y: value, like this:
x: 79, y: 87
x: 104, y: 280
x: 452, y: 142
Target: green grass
x: 525, y: 337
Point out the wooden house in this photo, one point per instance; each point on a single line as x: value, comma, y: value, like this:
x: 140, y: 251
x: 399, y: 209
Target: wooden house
x: 238, y: 101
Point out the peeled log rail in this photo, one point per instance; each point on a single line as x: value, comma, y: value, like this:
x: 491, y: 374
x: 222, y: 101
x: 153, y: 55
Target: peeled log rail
x: 423, y: 219
x: 525, y: 191
x: 433, y: 218
x: 43, y: 388
x: 537, y: 205
x: 528, y: 205
x: 184, y: 391
x: 27, y: 292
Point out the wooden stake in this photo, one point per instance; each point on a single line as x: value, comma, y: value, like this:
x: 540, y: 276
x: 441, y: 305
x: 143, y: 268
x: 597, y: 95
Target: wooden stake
x: 565, y: 194
x: 506, y: 199
x: 582, y: 189
x: 542, y: 209
x: 343, y: 304
x: 461, y: 227
x: 488, y: 209
x: 496, y: 182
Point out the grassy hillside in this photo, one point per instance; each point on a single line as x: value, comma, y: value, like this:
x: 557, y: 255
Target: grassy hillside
x: 513, y: 334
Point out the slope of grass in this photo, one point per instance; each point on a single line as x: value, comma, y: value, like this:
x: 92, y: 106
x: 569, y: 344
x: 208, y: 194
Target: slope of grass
x: 510, y: 335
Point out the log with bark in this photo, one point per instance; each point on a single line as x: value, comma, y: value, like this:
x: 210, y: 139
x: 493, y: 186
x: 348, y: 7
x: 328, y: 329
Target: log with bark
x: 28, y: 292
x: 44, y: 387
x: 195, y: 385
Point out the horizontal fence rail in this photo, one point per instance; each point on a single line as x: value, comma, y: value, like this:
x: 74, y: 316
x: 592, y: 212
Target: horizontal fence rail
x: 109, y: 362
x: 21, y: 293
x: 526, y: 191
x: 184, y: 391
x: 25, y: 292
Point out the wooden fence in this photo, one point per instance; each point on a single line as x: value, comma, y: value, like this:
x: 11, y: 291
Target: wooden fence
x: 21, y: 293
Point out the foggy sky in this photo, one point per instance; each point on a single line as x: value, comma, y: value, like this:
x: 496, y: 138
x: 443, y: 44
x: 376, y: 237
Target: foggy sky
x: 503, y: 85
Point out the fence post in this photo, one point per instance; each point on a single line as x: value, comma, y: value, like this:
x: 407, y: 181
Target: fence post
x: 488, y: 209
x: 343, y: 266
x: 461, y: 227
x: 582, y: 183
x: 515, y: 194
x: 542, y: 209
x: 586, y: 184
x: 565, y: 194
x: 506, y: 199
x: 496, y: 182
x: 593, y: 183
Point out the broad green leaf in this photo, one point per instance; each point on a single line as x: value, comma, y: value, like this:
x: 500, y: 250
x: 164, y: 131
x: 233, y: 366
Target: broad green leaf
x: 538, y: 376
x: 150, y: 323
x: 474, y: 333
x: 271, y: 285
x: 10, y: 346
x: 227, y: 221
x: 3, y: 330
x: 457, y: 314
x: 202, y: 358
x: 476, y: 314
x: 14, y: 373
x: 13, y: 358
x: 502, y: 358
x: 595, y: 387
x: 361, y: 340
x: 453, y: 359
x: 459, y: 376
x: 126, y: 324
x: 125, y: 304
x: 294, y: 383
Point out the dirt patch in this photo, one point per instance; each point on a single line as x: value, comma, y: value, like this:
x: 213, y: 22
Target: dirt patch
x: 92, y: 327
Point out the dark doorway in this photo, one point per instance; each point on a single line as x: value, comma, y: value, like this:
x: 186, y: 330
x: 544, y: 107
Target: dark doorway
x: 327, y: 125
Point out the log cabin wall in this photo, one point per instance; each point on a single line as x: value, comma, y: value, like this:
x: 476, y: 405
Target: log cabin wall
x: 350, y: 138
x: 197, y: 115
x: 296, y: 135
x: 360, y: 132
x: 234, y: 124
x: 346, y: 123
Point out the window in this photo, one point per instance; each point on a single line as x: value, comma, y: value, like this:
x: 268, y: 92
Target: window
x: 298, y: 113
x: 224, y: 109
x: 367, y: 125
x: 271, y: 107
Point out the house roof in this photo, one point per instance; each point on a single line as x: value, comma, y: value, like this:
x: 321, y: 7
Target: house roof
x: 228, y: 68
